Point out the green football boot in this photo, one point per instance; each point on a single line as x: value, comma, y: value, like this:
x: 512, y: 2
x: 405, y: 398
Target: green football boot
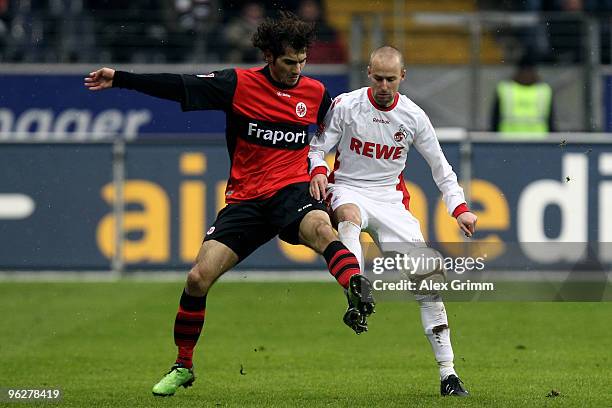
x: 176, y: 377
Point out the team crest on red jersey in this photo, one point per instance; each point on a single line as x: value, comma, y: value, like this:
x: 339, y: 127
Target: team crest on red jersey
x: 300, y: 109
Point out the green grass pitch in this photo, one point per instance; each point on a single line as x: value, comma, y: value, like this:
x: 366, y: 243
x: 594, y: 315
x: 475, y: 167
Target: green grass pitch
x: 283, y: 344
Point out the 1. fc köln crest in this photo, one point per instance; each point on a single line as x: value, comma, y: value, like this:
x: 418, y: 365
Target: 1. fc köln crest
x: 400, y: 134
x: 300, y: 109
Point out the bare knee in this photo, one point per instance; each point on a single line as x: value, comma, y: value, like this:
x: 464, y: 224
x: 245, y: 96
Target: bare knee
x: 198, y: 281
x: 348, y: 212
x: 213, y: 260
x: 316, y: 231
x: 325, y: 232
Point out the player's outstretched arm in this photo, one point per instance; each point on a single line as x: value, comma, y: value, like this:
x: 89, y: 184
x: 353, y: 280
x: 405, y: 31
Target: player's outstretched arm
x: 165, y: 86
x: 467, y: 223
x: 100, y: 79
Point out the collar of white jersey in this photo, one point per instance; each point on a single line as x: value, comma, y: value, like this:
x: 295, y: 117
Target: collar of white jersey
x: 380, y: 107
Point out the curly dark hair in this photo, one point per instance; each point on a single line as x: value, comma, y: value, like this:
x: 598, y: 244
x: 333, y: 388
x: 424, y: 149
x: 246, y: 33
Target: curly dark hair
x: 275, y: 35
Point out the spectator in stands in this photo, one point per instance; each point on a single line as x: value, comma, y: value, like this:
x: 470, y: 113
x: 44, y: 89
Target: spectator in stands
x: 68, y: 29
x: 523, y: 106
x: 567, y: 33
x: 239, y: 31
x: 128, y: 31
x: 327, y: 47
x: 193, y: 27
x: 233, y: 7
x: 602, y: 8
x: 4, y: 27
x: 533, y: 37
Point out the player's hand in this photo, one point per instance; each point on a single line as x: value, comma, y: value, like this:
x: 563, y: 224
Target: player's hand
x: 467, y: 223
x: 100, y: 79
x: 318, y: 187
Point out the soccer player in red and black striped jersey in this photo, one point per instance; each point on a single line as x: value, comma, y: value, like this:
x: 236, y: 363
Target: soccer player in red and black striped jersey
x: 268, y: 111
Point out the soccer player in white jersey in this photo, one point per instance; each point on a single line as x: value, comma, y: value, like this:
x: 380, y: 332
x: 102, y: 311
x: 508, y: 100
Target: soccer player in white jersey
x: 372, y: 129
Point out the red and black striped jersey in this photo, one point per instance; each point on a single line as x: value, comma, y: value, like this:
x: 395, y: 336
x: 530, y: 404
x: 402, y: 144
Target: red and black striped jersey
x: 266, y: 126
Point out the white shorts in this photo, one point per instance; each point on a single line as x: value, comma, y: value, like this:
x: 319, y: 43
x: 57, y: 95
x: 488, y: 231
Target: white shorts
x: 383, y: 216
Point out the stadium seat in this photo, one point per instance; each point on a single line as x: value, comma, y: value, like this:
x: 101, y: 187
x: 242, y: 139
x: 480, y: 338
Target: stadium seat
x: 423, y: 43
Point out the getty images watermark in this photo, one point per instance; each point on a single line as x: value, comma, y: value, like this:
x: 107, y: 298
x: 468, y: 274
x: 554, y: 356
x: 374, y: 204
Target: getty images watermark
x: 425, y: 270
x: 491, y: 271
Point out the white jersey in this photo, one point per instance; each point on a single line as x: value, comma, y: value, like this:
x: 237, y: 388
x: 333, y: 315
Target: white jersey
x: 372, y: 145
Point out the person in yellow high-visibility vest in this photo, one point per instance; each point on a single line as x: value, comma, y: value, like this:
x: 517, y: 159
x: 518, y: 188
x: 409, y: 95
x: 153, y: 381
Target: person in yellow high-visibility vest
x: 523, y: 106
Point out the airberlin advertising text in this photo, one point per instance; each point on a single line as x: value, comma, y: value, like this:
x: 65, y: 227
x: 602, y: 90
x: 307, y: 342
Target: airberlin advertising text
x: 56, y: 206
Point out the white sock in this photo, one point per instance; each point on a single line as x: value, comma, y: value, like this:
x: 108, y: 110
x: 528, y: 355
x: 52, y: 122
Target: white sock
x: 348, y: 233
x: 435, y: 324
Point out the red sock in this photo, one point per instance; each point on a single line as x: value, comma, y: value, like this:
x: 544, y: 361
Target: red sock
x: 188, y: 326
x: 341, y: 262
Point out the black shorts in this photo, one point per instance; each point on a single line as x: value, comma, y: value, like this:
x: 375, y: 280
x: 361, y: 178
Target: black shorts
x: 247, y: 225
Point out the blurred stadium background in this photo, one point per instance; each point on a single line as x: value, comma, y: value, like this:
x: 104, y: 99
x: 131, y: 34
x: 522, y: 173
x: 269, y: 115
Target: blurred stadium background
x: 120, y: 181
x: 119, y: 185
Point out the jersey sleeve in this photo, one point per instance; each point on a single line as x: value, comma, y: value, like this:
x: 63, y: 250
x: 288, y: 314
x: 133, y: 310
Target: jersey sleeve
x: 427, y: 144
x: 324, y: 107
x: 165, y: 86
x: 327, y: 137
x: 214, y: 91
